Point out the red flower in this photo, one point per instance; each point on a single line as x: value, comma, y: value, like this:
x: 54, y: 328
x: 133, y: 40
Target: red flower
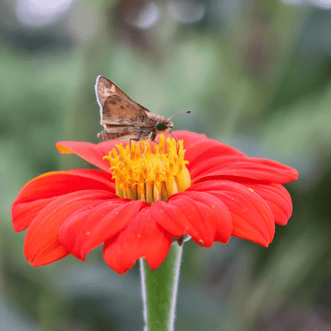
x: 224, y: 193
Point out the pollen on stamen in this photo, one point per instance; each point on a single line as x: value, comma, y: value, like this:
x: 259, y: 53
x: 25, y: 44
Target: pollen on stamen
x: 143, y: 175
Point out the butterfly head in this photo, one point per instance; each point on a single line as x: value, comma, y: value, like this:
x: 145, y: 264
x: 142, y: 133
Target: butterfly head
x: 164, y: 126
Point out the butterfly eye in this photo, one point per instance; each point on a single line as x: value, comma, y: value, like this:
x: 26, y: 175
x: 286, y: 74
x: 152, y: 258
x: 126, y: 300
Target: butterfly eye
x: 161, y: 126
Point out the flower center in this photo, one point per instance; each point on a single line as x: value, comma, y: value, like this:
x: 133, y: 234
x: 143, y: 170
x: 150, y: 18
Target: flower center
x: 143, y: 175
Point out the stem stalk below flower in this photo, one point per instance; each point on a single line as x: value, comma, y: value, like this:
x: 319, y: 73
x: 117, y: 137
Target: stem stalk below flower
x: 159, y: 291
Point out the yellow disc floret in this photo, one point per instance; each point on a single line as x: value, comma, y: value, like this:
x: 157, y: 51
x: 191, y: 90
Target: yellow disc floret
x: 143, y: 175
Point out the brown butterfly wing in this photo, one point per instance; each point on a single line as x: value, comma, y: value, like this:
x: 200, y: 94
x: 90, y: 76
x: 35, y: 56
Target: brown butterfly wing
x: 105, y: 87
x: 119, y: 111
x: 114, y: 132
x: 116, y: 108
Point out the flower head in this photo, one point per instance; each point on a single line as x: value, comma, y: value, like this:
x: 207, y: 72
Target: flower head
x: 143, y: 198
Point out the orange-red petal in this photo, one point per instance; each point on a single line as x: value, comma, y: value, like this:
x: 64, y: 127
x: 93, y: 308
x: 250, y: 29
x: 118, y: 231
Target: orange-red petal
x: 236, y: 168
x: 208, y: 149
x: 199, y: 214
x: 92, y: 153
x: 190, y: 138
x: 141, y: 238
x: 251, y: 216
x: 42, y: 190
x: 278, y: 199
x: 91, y: 226
x: 42, y: 245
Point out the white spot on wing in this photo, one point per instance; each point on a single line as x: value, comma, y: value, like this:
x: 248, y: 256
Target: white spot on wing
x: 96, y: 95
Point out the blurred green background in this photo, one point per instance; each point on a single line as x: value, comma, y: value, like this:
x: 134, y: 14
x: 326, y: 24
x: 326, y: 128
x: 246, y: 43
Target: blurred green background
x: 256, y: 75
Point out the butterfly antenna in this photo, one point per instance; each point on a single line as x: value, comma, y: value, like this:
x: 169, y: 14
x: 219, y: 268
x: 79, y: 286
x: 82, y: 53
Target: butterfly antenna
x: 182, y: 112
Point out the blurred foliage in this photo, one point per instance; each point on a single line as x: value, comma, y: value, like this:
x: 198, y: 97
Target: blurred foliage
x: 255, y: 74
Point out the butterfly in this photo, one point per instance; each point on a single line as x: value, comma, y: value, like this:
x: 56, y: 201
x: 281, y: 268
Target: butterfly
x: 121, y: 116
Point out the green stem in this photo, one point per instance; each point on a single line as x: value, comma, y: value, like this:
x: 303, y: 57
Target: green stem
x: 159, y: 291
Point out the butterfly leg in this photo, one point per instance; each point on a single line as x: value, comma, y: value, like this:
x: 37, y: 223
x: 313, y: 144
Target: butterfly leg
x: 176, y: 141
x: 148, y: 139
x: 152, y: 137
